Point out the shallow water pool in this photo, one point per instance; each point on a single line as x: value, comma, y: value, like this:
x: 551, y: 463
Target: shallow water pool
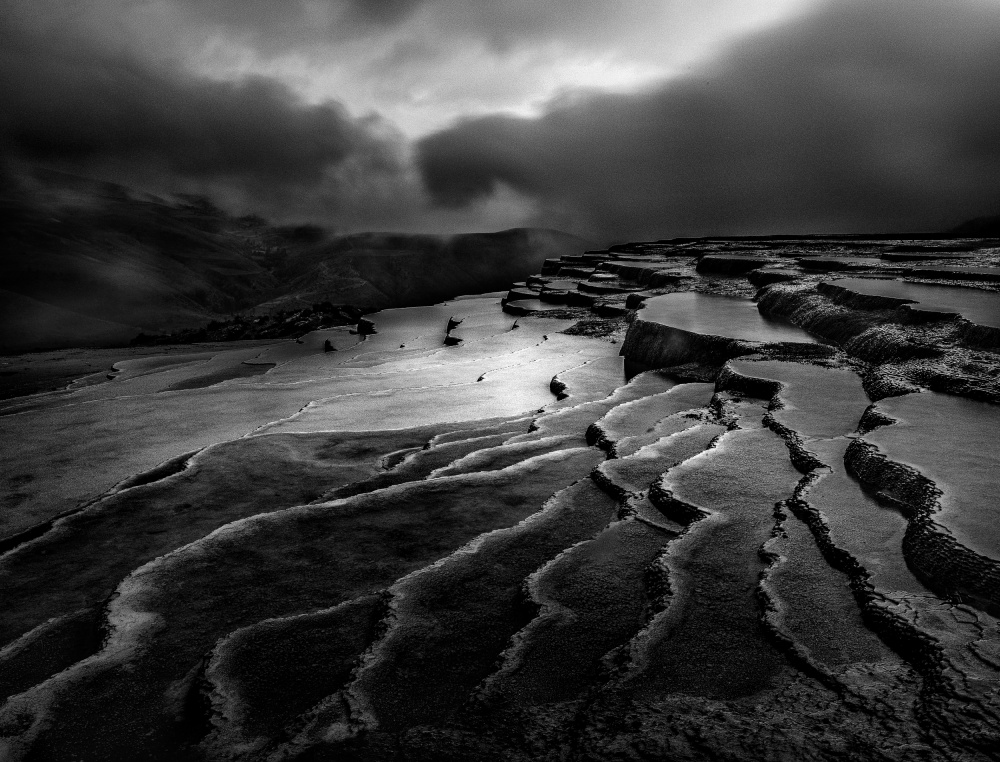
x: 980, y: 307
x: 728, y: 316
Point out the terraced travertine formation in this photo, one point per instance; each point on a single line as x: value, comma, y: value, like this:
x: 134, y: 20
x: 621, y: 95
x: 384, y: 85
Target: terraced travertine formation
x: 698, y: 499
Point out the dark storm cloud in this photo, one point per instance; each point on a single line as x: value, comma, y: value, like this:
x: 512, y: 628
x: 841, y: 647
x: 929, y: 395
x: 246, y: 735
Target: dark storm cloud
x: 499, y: 22
x: 69, y: 103
x: 290, y: 23
x: 865, y: 116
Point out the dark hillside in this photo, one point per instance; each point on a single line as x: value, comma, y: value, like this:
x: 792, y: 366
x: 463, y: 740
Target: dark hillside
x: 93, y: 263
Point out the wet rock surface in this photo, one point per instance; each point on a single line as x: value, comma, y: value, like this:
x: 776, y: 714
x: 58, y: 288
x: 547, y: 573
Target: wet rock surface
x: 696, y: 499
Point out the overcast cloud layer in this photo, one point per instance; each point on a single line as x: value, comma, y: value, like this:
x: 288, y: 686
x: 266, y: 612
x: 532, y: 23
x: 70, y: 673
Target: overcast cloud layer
x: 625, y: 120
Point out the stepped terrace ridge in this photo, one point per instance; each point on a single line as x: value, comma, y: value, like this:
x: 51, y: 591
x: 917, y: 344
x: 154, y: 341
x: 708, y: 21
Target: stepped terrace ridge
x: 688, y: 499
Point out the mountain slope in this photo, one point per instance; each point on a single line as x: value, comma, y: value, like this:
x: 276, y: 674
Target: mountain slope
x: 88, y: 262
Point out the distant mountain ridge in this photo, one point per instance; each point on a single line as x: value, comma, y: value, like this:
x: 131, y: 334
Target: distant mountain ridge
x: 86, y: 262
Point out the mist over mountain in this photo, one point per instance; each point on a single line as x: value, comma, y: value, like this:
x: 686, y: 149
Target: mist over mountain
x: 87, y: 262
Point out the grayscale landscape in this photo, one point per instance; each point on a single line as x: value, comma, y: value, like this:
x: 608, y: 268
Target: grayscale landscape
x: 432, y: 382
x: 632, y: 505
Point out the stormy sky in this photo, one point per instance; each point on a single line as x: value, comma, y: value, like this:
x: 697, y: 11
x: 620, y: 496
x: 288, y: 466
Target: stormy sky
x: 616, y: 120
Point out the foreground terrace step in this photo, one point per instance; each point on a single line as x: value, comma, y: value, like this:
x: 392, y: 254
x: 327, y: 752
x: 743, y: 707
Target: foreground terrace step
x: 75, y: 566
x: 504, y: 455
x: 938, y: 522
x: 632, y: 476
x: 254, y: 664
x: 710, y: 641
x: 820, y: 409
x: 448, y: 623
x: 295, y: 560
x: 856, y: 523
x: 439, y: 451
x: 261, y: 678
x: 957, y: 646
x: 725, y: 631
x: 576, y: 418
x: 500, y: 427
x: 627, y: 427
x: 927, y: 425
x: 866, y: 542
x: 815, y: 609
x: 594, y: 597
